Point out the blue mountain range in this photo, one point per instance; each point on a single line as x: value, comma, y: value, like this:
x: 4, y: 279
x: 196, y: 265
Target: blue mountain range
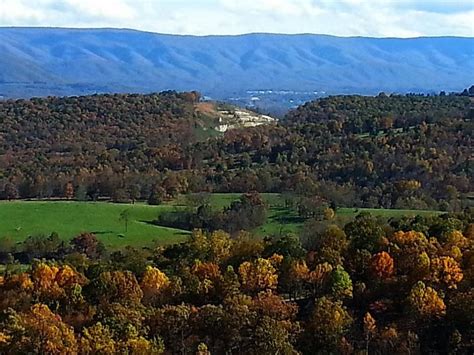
x: 57, y: 61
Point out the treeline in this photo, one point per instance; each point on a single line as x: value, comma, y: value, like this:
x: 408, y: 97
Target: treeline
x: 247, y: 213
x: 385, y: 151
x: 405, y: 286
x: 367, y: 114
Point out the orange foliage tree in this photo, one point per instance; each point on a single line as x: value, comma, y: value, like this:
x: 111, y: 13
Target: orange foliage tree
x: 382, y: 265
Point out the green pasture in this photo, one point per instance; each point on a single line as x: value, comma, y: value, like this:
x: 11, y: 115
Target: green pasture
x: 20, y: 219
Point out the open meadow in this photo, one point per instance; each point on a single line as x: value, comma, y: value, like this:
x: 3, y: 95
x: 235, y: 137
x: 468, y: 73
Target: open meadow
x: 20, y: 219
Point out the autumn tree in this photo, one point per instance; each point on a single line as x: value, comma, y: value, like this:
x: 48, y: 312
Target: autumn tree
x: 173, y: 324
x: 38, y: 331
x: 154, y: 283
x: 258, y: 275
x: 97, y: 339
x: 329, y: 245
x: 425, y: 301
x: 341, y: 283
x: 116, y: 286
x: 370, y: 328
x: 382, y: 265
x: 51, y: 282
x: 364, y: 232
x: 10, y: 192
x: 157, y: 195
x: 447, y: 271
x: 69, y: 190
x: 88, y: 244
x: 326, y: 326
x: 408, y: 248
x: 297, y: 277
x: 320, y: 278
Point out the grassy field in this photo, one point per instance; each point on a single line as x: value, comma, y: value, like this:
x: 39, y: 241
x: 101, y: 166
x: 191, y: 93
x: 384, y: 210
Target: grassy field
x: 20, y: 219
x: 281, y: 220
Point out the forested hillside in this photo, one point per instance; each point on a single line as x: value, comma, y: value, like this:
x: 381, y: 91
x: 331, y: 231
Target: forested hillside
x: 397, y: 151
x: 290, y: 271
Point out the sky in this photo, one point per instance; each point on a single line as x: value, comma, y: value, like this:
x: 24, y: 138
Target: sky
x: 375, y: 18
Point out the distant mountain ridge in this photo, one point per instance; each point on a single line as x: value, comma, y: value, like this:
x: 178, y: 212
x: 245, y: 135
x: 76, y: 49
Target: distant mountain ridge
x: 55, y: 61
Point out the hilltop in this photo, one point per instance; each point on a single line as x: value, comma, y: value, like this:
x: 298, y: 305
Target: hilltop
x: 386, y: 151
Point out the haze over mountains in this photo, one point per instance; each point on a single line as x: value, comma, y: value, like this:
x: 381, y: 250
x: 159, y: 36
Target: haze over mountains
x: 41, y: 61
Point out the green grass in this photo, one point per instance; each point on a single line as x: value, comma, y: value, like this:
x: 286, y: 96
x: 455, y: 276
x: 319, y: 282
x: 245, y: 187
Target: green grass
x: 20, y: 219
x: 282, y: 220
x: 384, y: 212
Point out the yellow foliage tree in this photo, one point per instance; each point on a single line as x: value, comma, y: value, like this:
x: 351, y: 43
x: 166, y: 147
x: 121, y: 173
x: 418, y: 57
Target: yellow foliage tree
x: 299, y: 271
x: 209, y: 276
x: 37, y: 331
x: 426, y: 301
x: 370, y: 328
x: 258, y: 275
x: 329, y: 213
x: 97, y: 339
x: 153, y: 283
x: 276, y: 259
x: 327, y: 324
x: 4, y: 339
x: 455, y: 244
x: 202, y: 350
x: 446, y: 270
x: 19, y: 281
x: 370, y: 325
x: 422, y: 265
x: 44, y: 276
x: 50, y: 281
x: 318, y: 277
x: 118, y: 286
x: 220, y: 245
x: 406, y: 248
x: 139, y: 345
x: 402, y: 238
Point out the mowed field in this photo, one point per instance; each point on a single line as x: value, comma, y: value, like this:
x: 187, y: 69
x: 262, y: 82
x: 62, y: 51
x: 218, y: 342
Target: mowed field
x: 20, y: 219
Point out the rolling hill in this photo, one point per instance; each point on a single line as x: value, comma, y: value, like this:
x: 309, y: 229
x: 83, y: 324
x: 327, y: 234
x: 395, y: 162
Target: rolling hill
x: 51, y: 61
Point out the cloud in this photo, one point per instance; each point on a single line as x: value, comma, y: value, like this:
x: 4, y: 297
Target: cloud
x: 382, y: 18
x: 109, y: 9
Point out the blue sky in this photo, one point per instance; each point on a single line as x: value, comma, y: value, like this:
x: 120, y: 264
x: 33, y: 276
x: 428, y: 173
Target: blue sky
x: 378, y: 18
